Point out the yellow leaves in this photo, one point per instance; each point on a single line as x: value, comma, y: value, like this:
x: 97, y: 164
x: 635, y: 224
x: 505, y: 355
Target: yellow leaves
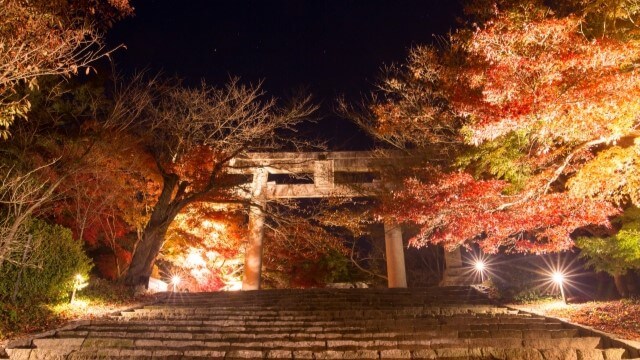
x: 612, y: 175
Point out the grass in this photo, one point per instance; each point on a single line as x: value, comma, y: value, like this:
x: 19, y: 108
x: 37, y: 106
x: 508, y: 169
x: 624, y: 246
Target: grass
x: 98, y: 299
x: 619, y: 317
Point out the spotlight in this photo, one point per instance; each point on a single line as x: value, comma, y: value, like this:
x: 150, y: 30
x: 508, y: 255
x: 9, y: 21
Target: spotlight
x: 480, y: 266
x: 175, y: 280
x: 558, y: 278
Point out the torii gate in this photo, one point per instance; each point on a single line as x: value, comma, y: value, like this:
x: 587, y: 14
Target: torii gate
x: 322, y: 166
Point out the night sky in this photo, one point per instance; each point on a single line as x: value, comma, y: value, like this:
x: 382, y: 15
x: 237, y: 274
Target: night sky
x: 327, y: 48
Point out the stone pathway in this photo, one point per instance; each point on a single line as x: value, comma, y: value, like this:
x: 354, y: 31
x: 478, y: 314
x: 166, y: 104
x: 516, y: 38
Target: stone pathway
x: 436, y: 323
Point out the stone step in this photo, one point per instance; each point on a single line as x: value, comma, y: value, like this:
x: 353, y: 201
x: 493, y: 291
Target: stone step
x: 423, y: 320
x: 321, y: 306
x: 78, y: 343
x: 170, y: 326
x: 472, y: 309
x: 344, y: 335
x: 485, y: 353
x: 307, y: 302
x: 314, y: 314
x: 310, y: 318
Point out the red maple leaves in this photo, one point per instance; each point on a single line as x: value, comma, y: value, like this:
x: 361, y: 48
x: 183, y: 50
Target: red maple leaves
x: 518, y: 114
x: 457, y: 208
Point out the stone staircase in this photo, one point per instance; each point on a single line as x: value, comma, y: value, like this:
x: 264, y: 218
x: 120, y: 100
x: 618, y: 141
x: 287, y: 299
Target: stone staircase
x: 436, y: 323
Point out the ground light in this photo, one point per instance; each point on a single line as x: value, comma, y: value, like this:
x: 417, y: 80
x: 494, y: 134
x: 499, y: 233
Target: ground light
x: 558, y: 278
x: 480, y: 267
x: 480, y: 264
x: 78, y: 284
x: 175, y: 280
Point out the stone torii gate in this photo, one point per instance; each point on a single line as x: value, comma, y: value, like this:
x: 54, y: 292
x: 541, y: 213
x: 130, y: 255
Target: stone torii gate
x: 322, y: 168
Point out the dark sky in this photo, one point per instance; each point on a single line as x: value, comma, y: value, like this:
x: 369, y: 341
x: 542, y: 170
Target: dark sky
x: 326, y: 47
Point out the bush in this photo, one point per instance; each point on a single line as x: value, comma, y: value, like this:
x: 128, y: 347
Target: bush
x: 519, y: 283
x: 524, y: 278
x: 53, y: 262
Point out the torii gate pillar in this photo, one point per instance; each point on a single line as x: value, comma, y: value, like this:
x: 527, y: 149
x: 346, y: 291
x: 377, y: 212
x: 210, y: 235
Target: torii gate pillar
x: 253, y: 254
x: 396, y: 271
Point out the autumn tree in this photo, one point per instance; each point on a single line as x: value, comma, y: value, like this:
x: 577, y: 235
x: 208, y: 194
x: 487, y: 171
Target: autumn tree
x: 22, y: 193
x: 529, y: 118
x: 192, y: 133
x: 39, y: 38
x: 66, y: 166
x: 105, y: 201
x: 29, y: 166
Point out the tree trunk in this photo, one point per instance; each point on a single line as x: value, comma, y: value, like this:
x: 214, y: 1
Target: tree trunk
x: 606, y: 289
x: 145, y: 254
x: 621, y: 285
x: 632, y: 284
x: 153, y: 236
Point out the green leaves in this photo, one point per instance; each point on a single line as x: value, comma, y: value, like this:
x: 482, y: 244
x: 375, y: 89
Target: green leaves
x: 503, y: 158
x: 615, y: 254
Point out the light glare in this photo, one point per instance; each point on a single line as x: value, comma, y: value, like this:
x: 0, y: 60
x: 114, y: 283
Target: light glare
x: 175, y: 280
x: 558, y: 277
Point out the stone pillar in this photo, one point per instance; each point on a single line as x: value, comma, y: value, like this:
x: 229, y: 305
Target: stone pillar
x: 454, y: 273
x: 453, y: 259
x: 396, y: 272
x: 253, y: 254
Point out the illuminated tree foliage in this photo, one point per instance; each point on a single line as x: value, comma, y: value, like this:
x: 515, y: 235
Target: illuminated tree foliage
x: 204, y: 247
x: 30, y: 167
x: 39, y: 38
x: 105, y: 202
x: 528, y: 117
x: 618, y: 253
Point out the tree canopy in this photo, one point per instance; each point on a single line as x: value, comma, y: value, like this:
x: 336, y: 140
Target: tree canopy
x: 528, y: 115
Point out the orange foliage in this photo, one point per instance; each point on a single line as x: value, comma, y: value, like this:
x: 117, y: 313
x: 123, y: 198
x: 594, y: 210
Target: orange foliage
x: 204, y: 246
x: 542, y: 113
x: 545, y: 76
x: 106, y: 200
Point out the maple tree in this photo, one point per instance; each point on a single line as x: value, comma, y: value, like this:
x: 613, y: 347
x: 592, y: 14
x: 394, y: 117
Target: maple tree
x: 192, y: 134
x: 30, y: 182
x: 105, y: 201
x: 206, y: 241
x: 89, y: 177
x: 301, y: 249
x: 528, y: 118
x: 42, y: 38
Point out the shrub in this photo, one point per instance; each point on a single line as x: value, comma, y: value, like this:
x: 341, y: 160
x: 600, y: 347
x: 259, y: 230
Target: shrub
x: 519, y: 283
x: 55, y: 258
